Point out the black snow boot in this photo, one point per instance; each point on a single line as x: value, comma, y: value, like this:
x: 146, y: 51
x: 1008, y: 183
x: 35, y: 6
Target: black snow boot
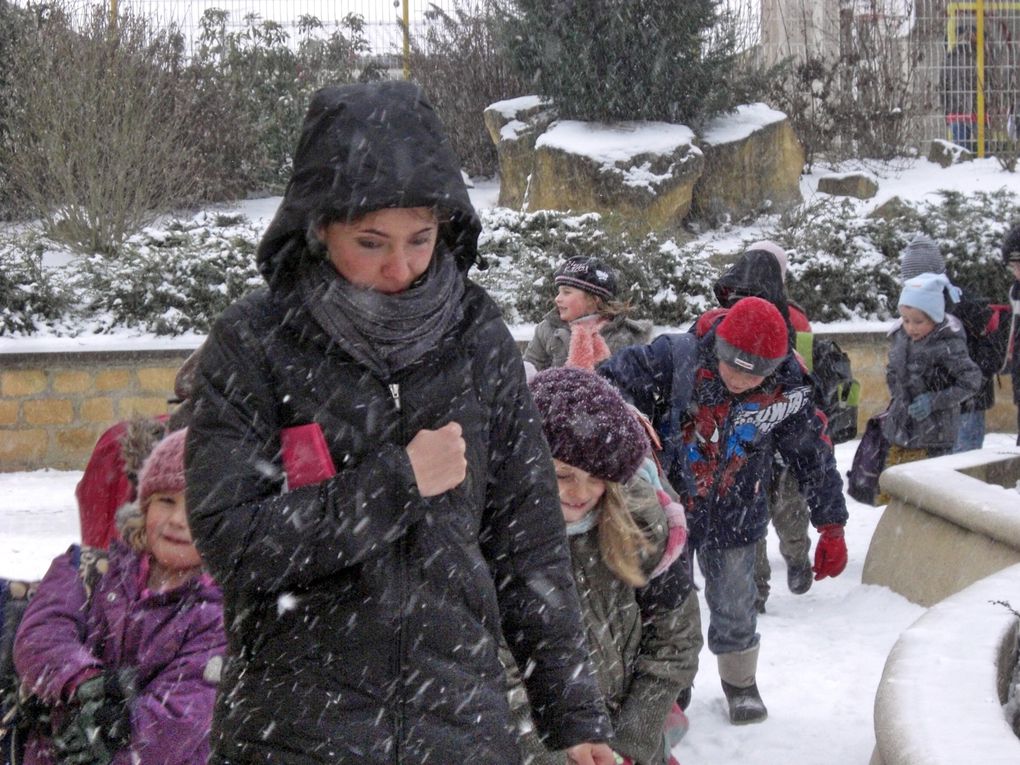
x: 799, y: 578
x: 746, y: 706
x: 737, y: 671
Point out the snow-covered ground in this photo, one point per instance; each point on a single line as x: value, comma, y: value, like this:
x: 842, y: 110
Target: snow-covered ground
x: 821, y: 657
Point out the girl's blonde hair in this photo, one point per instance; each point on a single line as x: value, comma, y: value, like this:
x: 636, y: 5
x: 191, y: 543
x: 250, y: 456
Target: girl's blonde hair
x: 621, y: 541
x: 610, y: 309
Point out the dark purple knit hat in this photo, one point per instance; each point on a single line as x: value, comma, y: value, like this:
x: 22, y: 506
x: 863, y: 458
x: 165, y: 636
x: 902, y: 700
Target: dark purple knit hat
x: 587, y: 423
x: 588, y: 274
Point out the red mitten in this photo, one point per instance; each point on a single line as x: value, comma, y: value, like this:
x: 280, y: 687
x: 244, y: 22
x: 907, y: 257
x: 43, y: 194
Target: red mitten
x: 830, y: 552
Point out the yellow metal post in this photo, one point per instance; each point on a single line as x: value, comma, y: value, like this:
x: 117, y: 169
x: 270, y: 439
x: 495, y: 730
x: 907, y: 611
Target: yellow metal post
x: 407, y: 40
x: 979, y: 12
x: 113, y: 13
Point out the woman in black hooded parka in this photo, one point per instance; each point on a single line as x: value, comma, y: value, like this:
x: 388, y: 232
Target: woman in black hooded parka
x: 364, y: 611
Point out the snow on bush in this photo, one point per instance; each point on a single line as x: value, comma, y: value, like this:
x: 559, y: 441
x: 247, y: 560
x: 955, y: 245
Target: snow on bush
x: 178, y: 277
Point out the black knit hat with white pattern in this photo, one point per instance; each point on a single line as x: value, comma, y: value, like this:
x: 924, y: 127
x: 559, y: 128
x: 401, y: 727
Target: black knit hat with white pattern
x: 588, y: 274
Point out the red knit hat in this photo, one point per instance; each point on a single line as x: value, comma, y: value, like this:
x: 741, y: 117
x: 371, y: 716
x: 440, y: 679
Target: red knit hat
x: 163, y: 470
x: 752, y: 337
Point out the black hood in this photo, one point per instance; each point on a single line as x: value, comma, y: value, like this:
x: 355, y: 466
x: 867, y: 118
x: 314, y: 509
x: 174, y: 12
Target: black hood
x: 367, y: 147
x: 755, y: 273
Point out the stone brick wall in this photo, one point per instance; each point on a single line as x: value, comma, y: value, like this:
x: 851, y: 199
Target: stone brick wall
x: 53, y: 406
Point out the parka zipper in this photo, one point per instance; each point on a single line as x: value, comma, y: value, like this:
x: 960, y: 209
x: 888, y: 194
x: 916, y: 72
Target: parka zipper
x: 402, y: 552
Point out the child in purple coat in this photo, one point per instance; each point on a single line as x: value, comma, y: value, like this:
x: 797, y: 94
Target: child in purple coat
x: 125, y: 650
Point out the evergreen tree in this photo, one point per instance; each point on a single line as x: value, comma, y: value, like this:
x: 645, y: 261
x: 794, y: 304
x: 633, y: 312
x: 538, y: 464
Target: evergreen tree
x: 611, y: 60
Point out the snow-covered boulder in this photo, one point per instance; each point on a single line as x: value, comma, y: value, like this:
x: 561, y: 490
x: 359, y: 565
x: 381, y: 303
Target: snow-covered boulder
x: 753, y: 163
x: 514, y: 126
x: 653, y: 175
x: 857, y: 185
x: 642, y: 171
x: 946, y: 153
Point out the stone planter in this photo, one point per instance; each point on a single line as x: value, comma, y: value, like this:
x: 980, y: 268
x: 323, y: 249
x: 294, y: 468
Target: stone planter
x: 940, y: 698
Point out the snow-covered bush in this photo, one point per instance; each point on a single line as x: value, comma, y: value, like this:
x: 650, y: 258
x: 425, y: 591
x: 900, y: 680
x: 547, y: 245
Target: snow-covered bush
x: 845, y: 267
x: 29, y: 296
x: 582, y: 55
x: 269, y: 78
x: 171, y: 281
x: 457, y: 60
x: 106, y: 121
x: 178, y: 277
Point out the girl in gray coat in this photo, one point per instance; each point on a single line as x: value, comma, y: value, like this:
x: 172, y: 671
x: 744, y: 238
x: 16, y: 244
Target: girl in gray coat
x: 622, y: 533
x: 588, y: 324
x: 929, y: 372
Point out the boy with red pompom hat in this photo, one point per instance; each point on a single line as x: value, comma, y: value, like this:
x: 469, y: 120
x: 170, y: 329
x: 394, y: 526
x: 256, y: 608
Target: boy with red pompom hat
x: 723, y: 404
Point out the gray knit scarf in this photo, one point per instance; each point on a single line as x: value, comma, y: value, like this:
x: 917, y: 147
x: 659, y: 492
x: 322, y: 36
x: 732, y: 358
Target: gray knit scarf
x: 385, y: 333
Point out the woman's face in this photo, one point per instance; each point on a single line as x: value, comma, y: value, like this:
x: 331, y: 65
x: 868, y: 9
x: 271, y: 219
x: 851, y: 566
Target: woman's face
x: 916, y: 323
x: 1014, y: 266
x: 167, y: 534
x: 572, y: 303
x: 385, y: 250
x: 580, y: 491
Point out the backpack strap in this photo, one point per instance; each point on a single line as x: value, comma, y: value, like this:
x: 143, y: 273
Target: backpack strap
x: 805, y: 347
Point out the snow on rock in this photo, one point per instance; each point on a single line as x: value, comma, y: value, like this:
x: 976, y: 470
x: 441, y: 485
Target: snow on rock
x: 738, y: 125
x: 511, y: 107
x: 618, y: 143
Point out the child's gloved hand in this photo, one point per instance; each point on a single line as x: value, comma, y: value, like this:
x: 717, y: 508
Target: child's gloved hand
x: 920, y: 407
x: 830, y: 552
x: 98, y: 723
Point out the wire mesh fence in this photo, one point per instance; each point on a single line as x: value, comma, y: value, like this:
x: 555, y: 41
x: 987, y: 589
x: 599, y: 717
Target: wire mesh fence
x: 384, y: 20
x: 968, y: 75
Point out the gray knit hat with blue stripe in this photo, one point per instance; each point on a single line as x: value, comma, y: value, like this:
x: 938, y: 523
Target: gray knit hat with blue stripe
x: 921, y: 256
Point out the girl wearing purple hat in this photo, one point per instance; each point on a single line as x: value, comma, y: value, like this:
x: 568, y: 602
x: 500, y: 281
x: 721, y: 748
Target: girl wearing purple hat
x: 125, y: 650
x: 619, y: 530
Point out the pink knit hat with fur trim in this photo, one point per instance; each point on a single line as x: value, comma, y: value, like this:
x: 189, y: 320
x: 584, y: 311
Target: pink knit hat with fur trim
x: 163, y: 470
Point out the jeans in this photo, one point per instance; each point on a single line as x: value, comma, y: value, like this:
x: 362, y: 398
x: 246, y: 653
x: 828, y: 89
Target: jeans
x: 730, y: 593
x: 972, y: 431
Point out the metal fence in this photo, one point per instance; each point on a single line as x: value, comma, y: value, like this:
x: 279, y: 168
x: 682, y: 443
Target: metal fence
x: 384, y: 19
x: 968, y: 73
x: 958, y: 58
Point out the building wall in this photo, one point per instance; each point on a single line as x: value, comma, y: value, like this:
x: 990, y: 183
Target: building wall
x: 53, y: 406
x: 798, y: 28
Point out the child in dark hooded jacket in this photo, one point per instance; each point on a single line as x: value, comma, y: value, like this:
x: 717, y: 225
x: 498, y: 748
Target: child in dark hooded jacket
x: 126, y: 650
